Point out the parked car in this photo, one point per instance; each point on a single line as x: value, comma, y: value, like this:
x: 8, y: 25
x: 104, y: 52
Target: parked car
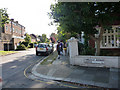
x: 43, y: 48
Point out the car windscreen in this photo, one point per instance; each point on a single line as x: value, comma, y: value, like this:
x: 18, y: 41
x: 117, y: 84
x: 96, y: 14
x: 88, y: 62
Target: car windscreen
x: 42, y: 46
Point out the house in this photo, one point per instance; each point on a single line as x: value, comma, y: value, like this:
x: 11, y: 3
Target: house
x: 110, y: 41
x: 53, y: 37
x: 11, y: 34
x: 33, y: 38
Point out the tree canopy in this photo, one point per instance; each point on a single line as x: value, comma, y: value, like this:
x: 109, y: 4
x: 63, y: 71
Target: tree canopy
x: 3, y: 17
x: 44, y: 37
x: 28, y: 38
x: 77, y: 17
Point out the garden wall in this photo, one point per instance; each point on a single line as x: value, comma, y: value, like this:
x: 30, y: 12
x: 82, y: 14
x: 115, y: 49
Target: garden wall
x: 90, y: 61
x: 96, y: 61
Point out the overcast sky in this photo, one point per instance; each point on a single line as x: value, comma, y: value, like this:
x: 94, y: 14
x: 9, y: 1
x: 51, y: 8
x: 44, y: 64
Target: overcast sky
x: 30, y: 13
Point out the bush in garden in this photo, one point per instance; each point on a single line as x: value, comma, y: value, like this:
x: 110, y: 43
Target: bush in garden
x: 88, y: 51
x: 26, y: 43
x: 85, y: 50
x: 21, y: 47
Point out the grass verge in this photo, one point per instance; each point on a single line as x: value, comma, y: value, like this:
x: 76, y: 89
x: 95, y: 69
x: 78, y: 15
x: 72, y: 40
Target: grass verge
x: 51, y: 58
x: 6, y: 52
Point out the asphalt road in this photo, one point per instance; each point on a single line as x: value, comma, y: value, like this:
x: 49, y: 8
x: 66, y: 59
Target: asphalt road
x: 13, y: 67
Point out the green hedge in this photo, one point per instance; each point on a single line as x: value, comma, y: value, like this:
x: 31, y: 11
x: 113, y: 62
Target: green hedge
x: 26, y: 44
x: 21, y: 47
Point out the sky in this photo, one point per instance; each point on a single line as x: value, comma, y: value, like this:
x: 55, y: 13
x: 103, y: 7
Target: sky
x: 32, y: 14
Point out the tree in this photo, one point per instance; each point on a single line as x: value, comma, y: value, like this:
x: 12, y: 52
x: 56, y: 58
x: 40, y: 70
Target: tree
x: 63, y: 35
x: 28, y: 38
x: 44, y: 38
x: 4, y: 18
x: 78, y: 17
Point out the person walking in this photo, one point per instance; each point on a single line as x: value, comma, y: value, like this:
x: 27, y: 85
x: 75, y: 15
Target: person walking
x: 61, y: 47
x: 58, y: 49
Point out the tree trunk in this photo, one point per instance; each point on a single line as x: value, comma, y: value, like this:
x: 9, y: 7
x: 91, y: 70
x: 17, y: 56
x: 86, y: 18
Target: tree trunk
x: 97, y: 40
x: 97, y: 53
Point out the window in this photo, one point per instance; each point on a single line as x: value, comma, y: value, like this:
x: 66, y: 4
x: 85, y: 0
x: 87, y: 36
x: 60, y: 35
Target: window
x: 42, y: 46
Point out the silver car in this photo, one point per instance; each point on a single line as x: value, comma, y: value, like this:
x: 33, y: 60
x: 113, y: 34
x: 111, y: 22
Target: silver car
x: 43, y: 48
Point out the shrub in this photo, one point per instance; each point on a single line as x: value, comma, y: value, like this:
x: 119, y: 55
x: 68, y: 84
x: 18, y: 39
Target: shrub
x: 26, y: 43
x: 88, y: 51
x: 85, y: 50
x: 80, y: 48
x: 21, y: 47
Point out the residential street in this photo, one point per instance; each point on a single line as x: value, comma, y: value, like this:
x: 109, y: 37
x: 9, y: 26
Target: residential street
x: 13, y: 67
x: 16, y: 74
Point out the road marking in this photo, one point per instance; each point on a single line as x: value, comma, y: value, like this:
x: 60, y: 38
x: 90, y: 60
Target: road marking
x: 44, y: 81
x: 69, y: 86
x: 30, y: 66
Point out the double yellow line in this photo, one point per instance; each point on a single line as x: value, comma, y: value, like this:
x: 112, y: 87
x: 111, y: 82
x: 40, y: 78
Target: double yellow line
x: 40, y: 80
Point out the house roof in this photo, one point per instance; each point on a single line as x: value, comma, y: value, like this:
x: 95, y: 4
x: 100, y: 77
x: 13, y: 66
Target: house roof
x: 33, y: 36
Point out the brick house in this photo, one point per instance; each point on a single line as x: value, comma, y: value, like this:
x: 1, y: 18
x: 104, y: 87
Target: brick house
x: 11, y: 34
x: 33, y: 38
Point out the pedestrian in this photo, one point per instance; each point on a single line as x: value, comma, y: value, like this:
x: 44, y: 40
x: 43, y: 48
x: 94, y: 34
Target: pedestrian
x: 58, y: 49
x: 61, y: 47
x: 65, y: 48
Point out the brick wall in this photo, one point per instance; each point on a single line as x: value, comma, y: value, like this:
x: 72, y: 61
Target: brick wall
x: 1, y: 45
x: 23, y: 31
x: 7, y: 28
x: 5, y: 39
x: 13, y: 28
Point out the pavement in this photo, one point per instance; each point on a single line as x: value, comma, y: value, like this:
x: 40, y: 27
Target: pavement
x: 63, y: 71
